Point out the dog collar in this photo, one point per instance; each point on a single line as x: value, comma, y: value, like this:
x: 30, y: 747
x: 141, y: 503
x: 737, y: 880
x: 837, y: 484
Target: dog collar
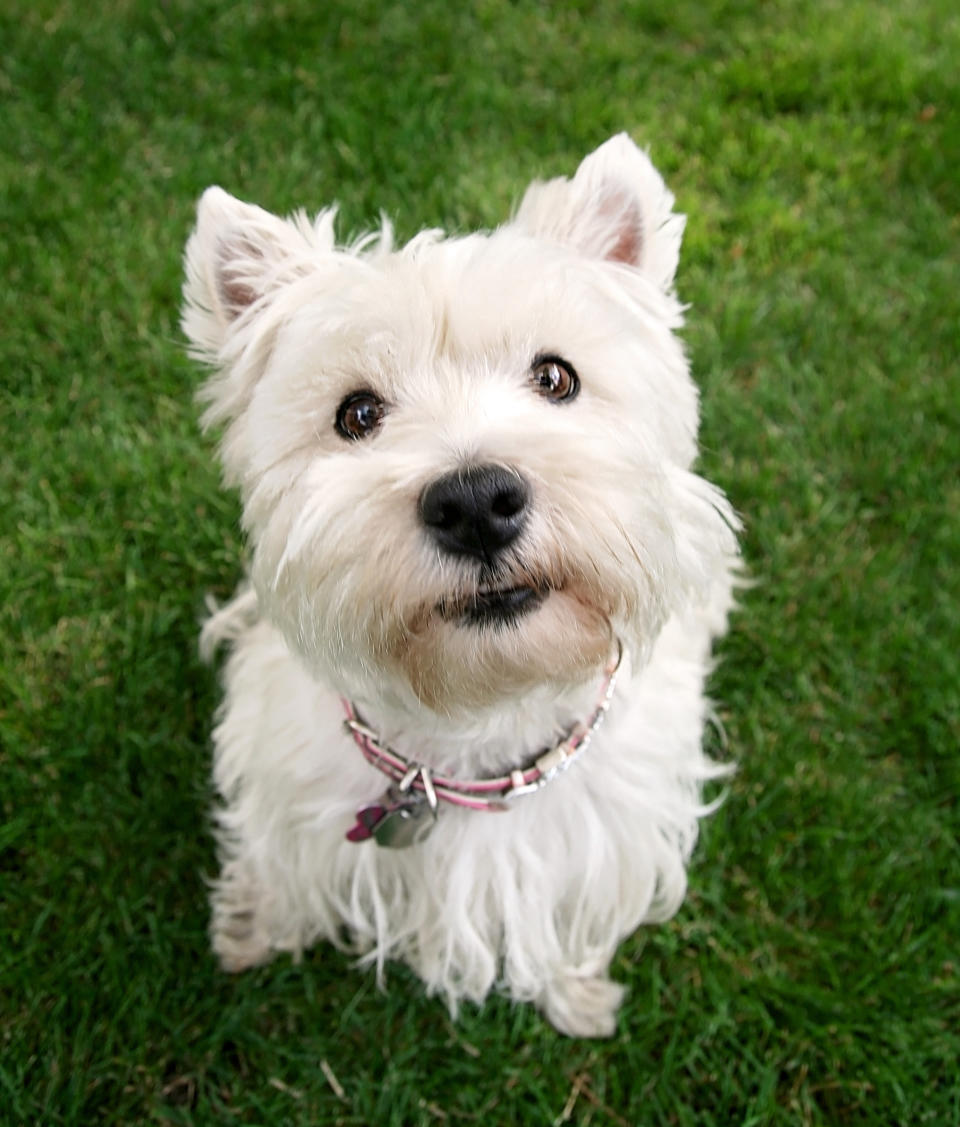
x: 406, y: 812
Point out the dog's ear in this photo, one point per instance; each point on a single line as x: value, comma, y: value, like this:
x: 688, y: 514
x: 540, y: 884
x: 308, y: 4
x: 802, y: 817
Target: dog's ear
x: 616, y: 207
x: 237, y: 255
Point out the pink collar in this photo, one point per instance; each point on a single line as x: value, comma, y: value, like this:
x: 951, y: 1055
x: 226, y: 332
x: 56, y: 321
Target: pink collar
x: 415, y: 785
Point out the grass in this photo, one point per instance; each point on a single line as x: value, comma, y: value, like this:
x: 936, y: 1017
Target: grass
x: 812, y: 976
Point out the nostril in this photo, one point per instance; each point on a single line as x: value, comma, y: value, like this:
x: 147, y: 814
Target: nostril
x: 446, y: 515
x: 507, y: 503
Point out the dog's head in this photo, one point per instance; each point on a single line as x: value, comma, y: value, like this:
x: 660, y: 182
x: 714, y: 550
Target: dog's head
x: 465, y: 462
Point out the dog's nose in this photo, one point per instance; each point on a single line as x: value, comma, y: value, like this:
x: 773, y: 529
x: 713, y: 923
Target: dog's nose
x: 476, y: 511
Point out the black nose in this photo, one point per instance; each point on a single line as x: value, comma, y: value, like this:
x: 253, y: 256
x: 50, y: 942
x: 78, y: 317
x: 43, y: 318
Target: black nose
x: 477, y: 511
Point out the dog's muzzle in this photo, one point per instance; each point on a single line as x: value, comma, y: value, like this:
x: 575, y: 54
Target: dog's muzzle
x: 476, y: 514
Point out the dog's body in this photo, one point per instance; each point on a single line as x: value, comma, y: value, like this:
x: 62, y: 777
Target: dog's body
x: 466, y: 475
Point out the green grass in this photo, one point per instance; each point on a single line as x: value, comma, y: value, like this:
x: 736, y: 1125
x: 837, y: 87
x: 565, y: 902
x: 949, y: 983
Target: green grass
x: 812, y: 976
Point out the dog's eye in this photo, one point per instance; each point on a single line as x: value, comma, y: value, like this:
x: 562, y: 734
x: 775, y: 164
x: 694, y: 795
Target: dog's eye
x: 359, y: 415
x: 554, y: 378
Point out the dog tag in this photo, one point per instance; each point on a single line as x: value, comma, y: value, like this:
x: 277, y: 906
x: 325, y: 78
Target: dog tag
x: 396, y: 820
x: 408, y: 823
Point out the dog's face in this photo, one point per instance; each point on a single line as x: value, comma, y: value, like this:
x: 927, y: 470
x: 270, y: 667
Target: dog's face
x: 464, y: 463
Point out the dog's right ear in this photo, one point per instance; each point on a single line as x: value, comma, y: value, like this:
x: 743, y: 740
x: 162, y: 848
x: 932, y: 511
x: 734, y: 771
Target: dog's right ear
x: 237, y: 256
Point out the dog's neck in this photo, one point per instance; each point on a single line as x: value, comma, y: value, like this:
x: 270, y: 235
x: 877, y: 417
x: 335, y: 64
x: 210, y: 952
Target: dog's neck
x: 487, y: 742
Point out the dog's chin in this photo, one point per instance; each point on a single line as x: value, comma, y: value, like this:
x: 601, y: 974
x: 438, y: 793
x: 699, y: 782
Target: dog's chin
x: 473, y: 652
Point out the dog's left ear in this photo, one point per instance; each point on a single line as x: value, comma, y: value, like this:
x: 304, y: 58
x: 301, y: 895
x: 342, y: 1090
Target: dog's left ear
x: 616, y: 207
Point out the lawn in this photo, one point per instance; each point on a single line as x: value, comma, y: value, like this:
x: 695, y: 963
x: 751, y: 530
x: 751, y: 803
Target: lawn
x: 813, y: 975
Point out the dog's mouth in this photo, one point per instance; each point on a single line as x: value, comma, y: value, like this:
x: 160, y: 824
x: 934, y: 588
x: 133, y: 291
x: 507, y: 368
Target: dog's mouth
x: 493, y: 606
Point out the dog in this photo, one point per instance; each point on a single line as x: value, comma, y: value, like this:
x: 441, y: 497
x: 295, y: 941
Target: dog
x: 464, y: 698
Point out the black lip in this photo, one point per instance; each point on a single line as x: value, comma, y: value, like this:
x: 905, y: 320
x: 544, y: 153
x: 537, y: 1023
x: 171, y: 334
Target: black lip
x: 499, y: 608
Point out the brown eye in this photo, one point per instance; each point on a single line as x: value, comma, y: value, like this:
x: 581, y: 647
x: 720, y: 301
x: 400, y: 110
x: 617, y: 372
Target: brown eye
x: 554, y: 378
x: 359, y: 415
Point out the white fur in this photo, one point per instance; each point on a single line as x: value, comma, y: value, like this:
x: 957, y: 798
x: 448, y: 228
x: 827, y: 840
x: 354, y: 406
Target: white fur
x: 345, y: 583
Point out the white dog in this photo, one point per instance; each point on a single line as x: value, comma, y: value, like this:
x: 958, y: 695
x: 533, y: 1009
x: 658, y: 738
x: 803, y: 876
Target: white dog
x: 479, y: 557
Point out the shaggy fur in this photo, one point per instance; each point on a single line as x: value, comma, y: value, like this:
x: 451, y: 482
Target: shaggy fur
x: 350, y: 596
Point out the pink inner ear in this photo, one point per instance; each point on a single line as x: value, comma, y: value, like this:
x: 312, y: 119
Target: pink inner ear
x: 626, y: 223
x: 235, y: 293
x: 628, y: 247
x: 235, y: 260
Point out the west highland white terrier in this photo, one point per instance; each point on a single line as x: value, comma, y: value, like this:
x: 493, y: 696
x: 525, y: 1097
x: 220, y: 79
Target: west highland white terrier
x: 465, y: 692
